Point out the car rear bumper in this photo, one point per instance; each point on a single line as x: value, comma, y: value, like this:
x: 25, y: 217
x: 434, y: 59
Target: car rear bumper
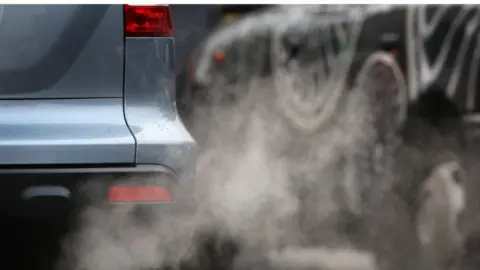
x: 67, y: 131
x: 47, y: 192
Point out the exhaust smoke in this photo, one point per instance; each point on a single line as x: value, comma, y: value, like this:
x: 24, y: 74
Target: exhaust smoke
x: 302, y: 157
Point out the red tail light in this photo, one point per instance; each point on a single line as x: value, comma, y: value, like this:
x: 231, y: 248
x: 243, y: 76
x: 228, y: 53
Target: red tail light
x: 148, y: 21
x: 219, y: 56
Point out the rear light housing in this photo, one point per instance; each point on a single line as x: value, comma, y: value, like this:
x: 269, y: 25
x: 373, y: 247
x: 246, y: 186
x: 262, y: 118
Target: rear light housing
x: 148, y: 21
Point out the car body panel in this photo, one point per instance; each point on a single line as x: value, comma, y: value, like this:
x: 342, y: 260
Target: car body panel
x: 81, y: 105
x: 150, y: 108
x: 61, y: 51
x: 68, y: 131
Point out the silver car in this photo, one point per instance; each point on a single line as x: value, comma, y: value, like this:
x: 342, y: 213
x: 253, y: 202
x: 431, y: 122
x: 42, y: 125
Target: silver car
x: 87, y: 93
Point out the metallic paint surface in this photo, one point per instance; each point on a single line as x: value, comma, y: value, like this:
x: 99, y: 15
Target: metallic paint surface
x: 65, y: 131
x: 150, y: 109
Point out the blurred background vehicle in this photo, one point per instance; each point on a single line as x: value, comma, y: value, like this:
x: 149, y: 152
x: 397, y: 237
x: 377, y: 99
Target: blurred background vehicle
x: 433, y: 45
x: 254, y: 52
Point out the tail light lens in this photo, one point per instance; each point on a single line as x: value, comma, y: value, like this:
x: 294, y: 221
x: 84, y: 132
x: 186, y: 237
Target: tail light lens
x: 148, y: 21
x: 219, y: 56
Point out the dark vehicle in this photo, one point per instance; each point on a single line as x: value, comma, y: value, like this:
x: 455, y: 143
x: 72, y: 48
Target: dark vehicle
x: 433, y: 45
x: 319, y: 62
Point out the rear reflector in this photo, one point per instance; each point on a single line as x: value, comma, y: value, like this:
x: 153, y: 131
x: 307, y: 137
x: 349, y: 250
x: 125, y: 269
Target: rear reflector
x: 143, y: 194
x: 148, y: 21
